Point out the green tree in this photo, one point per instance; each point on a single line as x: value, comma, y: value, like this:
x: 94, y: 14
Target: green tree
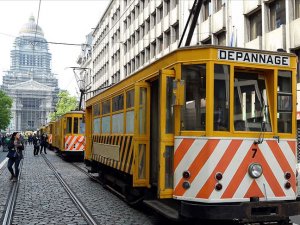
x: 5, y: 110
x: 65, y: 104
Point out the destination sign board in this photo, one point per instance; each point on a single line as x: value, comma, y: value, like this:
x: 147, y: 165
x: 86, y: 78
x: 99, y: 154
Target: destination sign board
x: 253, y: 57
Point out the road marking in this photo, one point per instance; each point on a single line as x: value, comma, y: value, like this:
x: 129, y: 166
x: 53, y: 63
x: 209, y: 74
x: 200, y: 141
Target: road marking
x: 3, y: 163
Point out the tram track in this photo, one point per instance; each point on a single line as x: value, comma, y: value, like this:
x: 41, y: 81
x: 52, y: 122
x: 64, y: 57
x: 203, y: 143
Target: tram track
x: 80, y: 206
x: 12, y: 198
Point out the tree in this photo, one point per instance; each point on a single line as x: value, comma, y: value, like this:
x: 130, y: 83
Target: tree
x: 65, y: 104
x: 5, y: 110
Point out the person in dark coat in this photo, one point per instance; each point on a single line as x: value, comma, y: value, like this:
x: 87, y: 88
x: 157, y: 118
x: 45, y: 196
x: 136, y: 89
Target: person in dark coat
x: 43, y: 143
x: 36, y: 144
x: 15, y: 155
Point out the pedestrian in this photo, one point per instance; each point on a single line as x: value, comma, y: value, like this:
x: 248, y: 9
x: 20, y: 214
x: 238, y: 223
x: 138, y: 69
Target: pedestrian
x: 43, y: 143
x: 15, y: 155
x: 36, y: 144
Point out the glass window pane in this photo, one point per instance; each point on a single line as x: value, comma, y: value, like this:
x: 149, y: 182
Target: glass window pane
x: 130, y: 122
x: 169, y: 108
x: 106, y: 107
x: 96, y: 125
x: 106, y: 124
x: 284, y: 102
x: 194, y: 110
x: 118, y: 123
x: 96, y: 109
x: 118, y: 103
x: 69, y: 125
x: 82, y: 126
x: 221, y: 98
x: 251, y: 112
x: 142, y: 111
x: 130, y: 99
x: 169, y: 153
x: 75, y: 127
x: 141, y: 161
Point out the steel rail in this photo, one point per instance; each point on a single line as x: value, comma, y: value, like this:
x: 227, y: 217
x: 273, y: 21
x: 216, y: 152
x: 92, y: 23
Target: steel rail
x: 83, y: 210
x: 11, y: 201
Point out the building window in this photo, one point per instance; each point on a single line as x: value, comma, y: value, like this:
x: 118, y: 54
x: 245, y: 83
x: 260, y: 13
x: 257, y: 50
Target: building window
x: 147, y: 26
x: 167, y: 6
x: 175, y: 33
x: 167, y: 39
x: 160, y: 13
x: 153, y: 49
x: 174, y: 3
x: 147, y: 54
x: 153, y: 20
x: 255, y: 25
x: 137, y: 61
x: 160, y: 44
x: 206, y: 9
x: 219, y: 4
x: 222, y: 38
x: 277, y: 14
x: 142, y: 58
x: 297, y: 9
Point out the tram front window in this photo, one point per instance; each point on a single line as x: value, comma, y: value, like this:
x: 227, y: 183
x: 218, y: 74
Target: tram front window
x: 193, y: 112
x: 251, y: 112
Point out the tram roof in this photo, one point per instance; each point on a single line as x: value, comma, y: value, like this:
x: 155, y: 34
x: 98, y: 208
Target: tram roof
x: 179, y: 50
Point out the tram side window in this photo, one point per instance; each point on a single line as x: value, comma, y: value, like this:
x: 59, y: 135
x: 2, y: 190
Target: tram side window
x: 75, y: 127
x: 130, y: 112
x: 251, y: 111
x: 69, y: 125
x: 81, y: 126
x: 193, y: 112
x: 106, y: 118
x: 284, y: 98
x: 221, y: 98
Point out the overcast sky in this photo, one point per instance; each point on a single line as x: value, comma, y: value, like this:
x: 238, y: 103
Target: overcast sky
x: 66, y: 21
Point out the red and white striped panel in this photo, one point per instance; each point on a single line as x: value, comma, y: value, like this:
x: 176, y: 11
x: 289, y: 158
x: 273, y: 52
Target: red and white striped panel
x: 50, y: 138
x: 74, y: 143
x: 203, y: 158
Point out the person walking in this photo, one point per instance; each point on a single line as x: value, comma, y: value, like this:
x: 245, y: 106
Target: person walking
x: 36, y: 144
x: 15, y: 155
x: 43, y: 143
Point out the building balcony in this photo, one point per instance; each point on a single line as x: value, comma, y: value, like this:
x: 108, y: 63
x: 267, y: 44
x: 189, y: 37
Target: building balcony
x: 255, y: 43
x: 295, y: 33
x: 218, y: 20
x: 272, y: 43
x: 249, y: 6
x: 158, y: 28
x: 174, y: 15
x: 166, y: 22
x: 205, y: 30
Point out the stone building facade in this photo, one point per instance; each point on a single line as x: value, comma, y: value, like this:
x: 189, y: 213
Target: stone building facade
x: 30, y: 82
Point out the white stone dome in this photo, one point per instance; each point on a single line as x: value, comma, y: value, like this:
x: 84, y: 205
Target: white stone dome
x: 31, y: 28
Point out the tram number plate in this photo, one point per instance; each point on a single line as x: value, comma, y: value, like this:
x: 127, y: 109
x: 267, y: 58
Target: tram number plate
x: 254, y: 152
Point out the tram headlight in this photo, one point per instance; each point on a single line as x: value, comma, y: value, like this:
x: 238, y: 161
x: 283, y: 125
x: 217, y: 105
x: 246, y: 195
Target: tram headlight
x: 255, y: 170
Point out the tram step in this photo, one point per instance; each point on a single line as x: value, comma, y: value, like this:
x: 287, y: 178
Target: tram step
x: 163, y: 208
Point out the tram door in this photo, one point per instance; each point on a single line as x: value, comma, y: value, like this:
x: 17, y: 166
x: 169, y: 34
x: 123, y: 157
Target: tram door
x: 154, y: 134
x: 141, y: 134
x: 166, y: 134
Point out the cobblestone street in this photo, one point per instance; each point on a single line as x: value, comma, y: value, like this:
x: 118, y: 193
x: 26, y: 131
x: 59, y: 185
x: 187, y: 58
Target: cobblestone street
x: 42, y: 200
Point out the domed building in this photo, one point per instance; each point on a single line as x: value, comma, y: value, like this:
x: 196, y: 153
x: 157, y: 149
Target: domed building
x: 30, y: 81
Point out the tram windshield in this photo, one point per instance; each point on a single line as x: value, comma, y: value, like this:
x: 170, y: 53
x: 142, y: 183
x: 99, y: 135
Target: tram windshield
x: 251, y: 111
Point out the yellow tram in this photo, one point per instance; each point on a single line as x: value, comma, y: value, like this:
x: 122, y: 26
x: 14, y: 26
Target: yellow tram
x: 205, y: 132
x: 69, y: 135
x: 49, y: 129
